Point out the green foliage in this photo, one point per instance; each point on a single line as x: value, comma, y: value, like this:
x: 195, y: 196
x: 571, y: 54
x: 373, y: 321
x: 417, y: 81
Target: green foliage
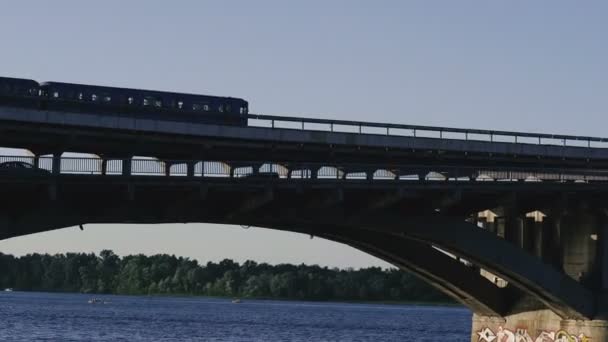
x: 167, y: 274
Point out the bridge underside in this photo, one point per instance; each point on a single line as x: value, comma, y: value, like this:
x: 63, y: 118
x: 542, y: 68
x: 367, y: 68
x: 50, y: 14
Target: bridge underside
x: 420, y: 229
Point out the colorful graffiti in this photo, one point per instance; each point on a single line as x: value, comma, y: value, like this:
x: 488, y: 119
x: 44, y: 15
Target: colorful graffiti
x: 522, y: 335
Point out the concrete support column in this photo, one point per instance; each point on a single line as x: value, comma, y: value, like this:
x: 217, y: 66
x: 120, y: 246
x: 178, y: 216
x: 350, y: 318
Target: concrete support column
x: 603, y: 252
x: 168, y: 168
x: 104, y: 166
x: 529, y: 235
x: 499, y: 225
x: 538, y: 245
x: 579, y: 247
x: 56, y: 168
x: 514, y: 230
x: 369, y: 175
x: 190, y: 169
x: 36, y: 160
x: 256, y: 168
x: 553, y: 241
x: 126, y: 166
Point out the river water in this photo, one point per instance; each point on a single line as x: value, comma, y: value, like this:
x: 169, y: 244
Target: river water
x: 69, y: 317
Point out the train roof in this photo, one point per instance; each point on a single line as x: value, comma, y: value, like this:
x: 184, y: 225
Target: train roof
x: 133, y: 90
x: 19, y: 80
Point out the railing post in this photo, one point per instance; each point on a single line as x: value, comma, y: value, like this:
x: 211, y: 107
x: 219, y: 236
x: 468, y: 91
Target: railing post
x: 331, y: 127
x: 302, y: 124
x: 104, y: 166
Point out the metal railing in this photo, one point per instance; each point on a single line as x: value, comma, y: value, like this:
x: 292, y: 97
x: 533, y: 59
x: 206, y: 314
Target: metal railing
x: 287, y: 170
x: 361, y: 127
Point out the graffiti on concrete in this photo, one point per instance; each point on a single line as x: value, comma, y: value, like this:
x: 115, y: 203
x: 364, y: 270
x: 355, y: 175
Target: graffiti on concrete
x: 522, y: 335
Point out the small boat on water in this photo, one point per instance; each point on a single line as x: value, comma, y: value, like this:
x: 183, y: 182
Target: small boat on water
x: 98, y: 301
x: 236, y: 301
x: 8, y: 289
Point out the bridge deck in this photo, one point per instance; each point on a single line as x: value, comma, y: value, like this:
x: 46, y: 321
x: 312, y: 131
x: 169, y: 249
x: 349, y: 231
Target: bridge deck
x: 27, y: 121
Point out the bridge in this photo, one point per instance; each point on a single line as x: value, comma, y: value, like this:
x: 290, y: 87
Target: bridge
x: 512, y: 225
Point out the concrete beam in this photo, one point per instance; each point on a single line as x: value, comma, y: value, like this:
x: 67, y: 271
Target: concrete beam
x: 563, y: 295
x: 452, y: 277
x: 388, y: 199
x: 278, y: 136
x: 251, y: 203
x: 329, y: 199
x: 460, y: 282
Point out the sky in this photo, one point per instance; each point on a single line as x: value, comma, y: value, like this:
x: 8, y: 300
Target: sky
x: 516, y: 65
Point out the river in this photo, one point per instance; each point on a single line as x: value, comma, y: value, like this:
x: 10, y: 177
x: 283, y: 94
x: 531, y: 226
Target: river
x: 30, y: 316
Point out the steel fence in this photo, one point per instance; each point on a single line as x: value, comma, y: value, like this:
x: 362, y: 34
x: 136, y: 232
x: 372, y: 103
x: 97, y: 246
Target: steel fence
x: 360, y: 127
x: 291, y: 170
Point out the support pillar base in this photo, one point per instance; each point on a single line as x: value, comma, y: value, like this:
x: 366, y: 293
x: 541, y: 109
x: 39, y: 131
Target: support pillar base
x: 537, y: 326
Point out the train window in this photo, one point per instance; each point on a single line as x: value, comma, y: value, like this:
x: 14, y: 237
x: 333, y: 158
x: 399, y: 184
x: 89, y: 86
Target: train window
x: 158, y: 103
x: 107, y: 99
x: 180, y: 104
x: 33, y: 91
x: 241, y: 110
x: 221, y: 108
x: 55, y: 94
x: 80, y: 96
x: 93, y: 97
x: 228, y: 109
x: 146, y: 101
x: 130, y: 100
x: 206, y: 108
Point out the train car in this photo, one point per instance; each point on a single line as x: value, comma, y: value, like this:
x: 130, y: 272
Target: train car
x: 19, y: 92
x: 144, y: 103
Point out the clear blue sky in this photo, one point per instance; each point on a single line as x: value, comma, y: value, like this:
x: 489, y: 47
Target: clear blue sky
x: 513, y: 65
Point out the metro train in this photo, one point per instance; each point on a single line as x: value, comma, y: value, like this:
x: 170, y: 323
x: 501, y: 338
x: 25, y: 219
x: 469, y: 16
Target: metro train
x: 123, y: 102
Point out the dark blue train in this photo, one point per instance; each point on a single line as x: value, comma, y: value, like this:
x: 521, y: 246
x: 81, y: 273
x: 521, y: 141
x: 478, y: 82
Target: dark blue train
x: 123, y: 102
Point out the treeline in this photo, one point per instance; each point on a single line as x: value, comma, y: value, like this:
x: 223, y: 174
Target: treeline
x: 169, y: 275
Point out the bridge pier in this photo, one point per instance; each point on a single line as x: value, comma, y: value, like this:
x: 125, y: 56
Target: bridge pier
x: 575, y: 242
x: 536, y: 326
